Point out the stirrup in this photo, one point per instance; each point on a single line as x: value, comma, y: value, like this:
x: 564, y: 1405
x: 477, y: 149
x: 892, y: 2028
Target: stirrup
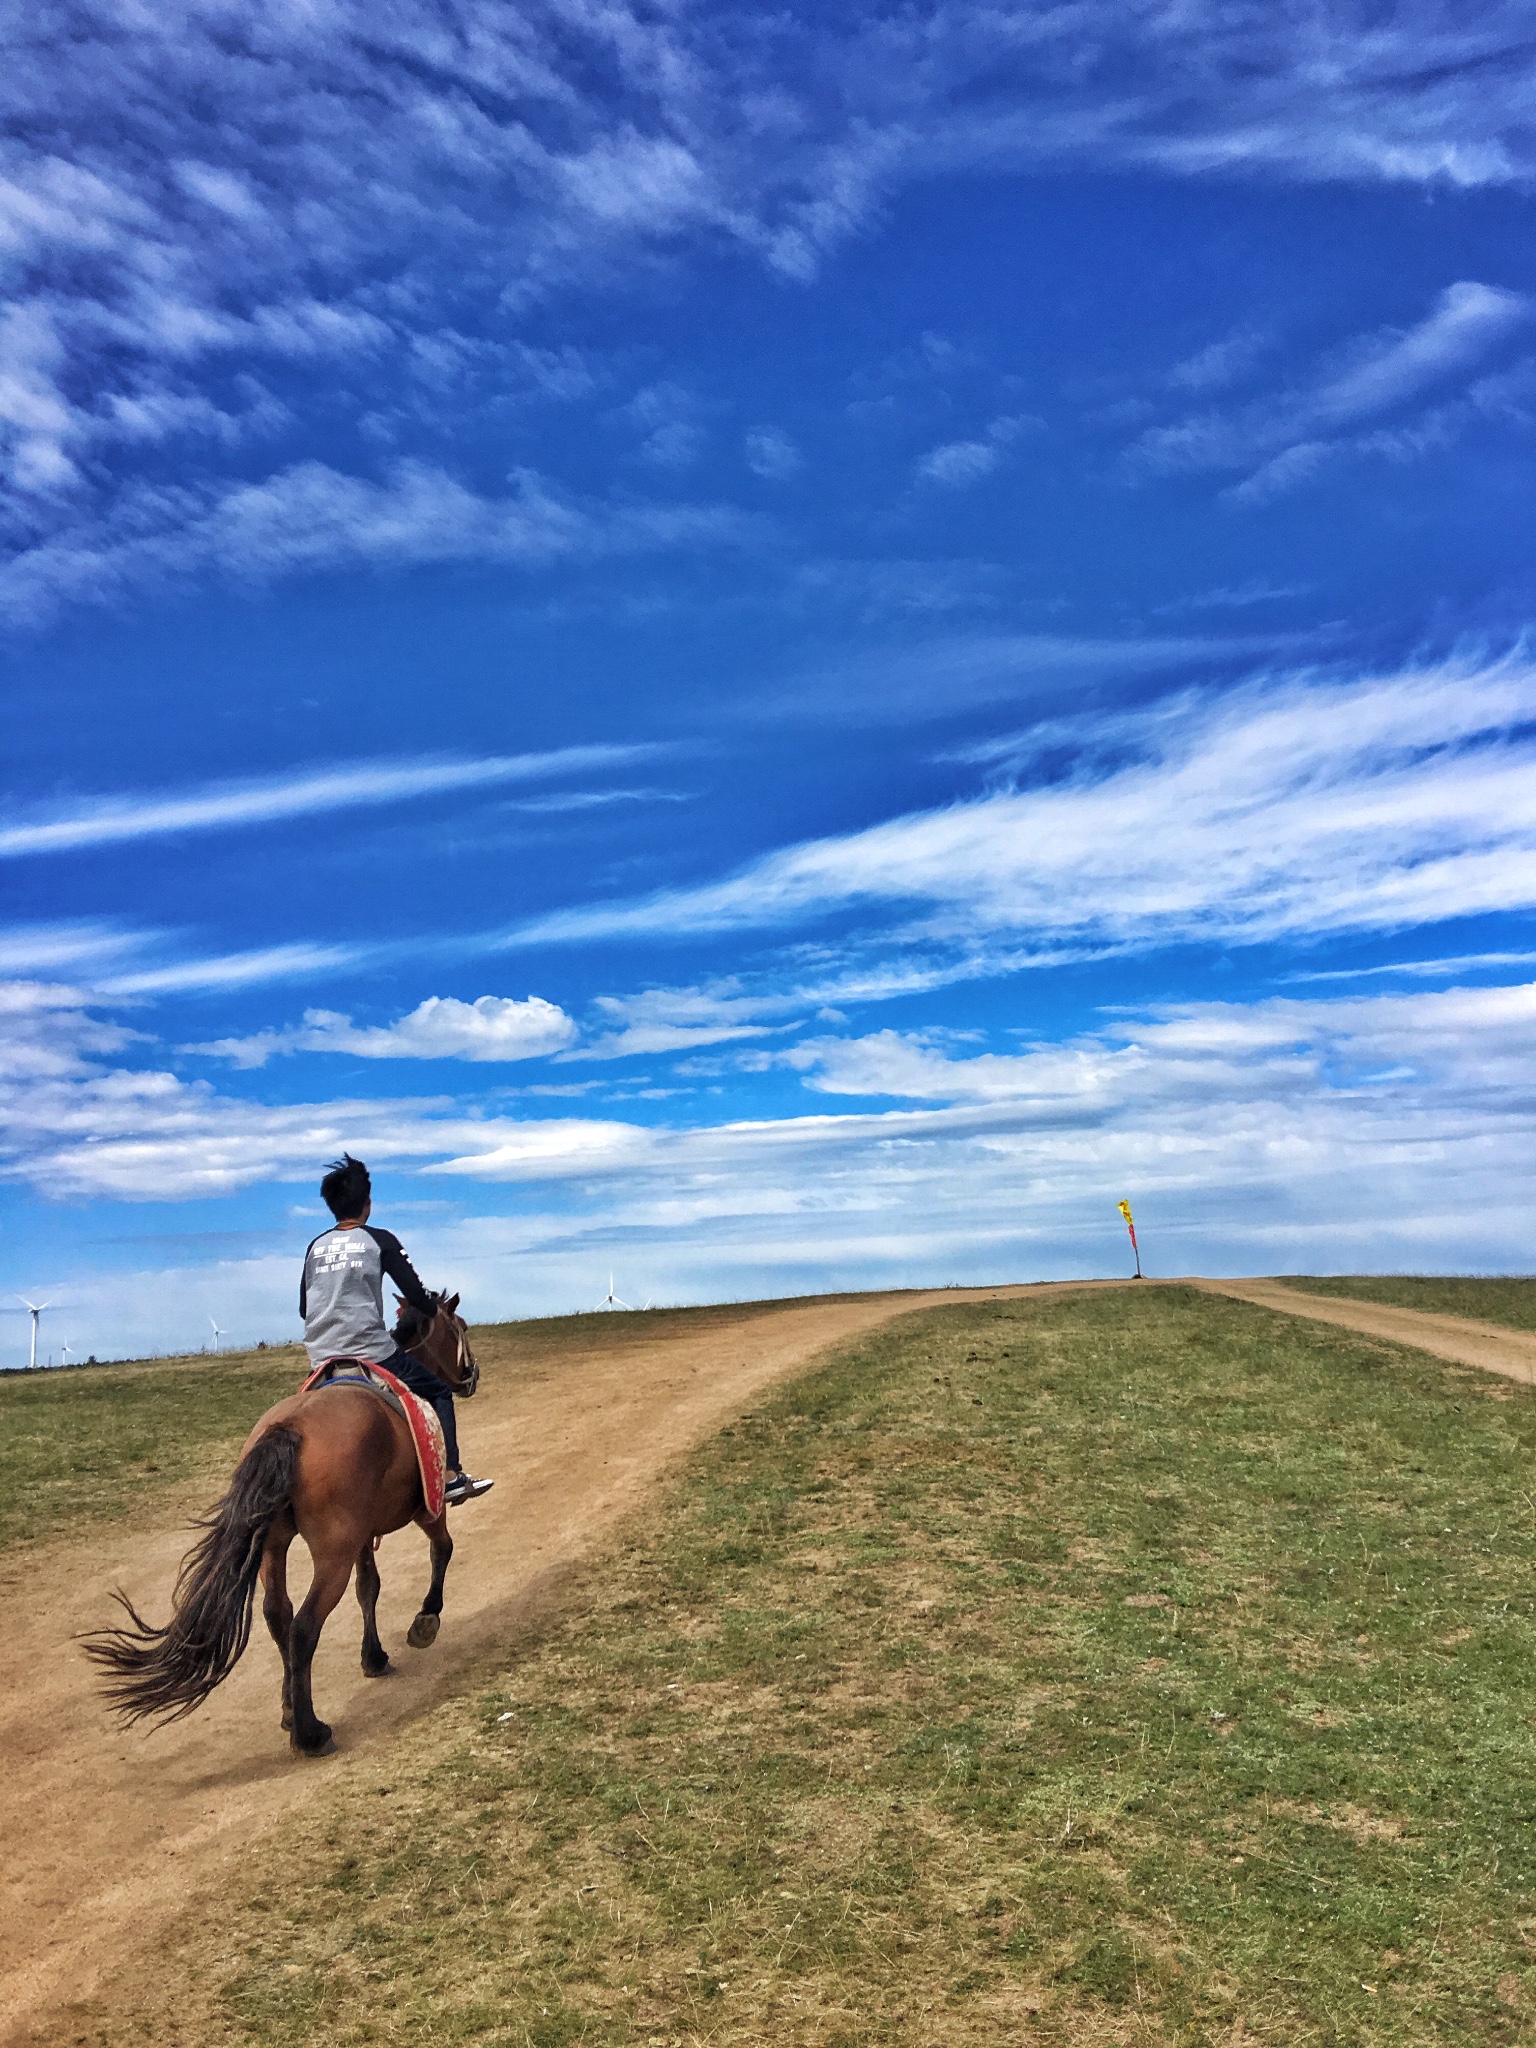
x: 459, y: 1490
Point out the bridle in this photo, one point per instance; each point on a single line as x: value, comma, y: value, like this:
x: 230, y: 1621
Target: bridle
x: 466, y: 1372
x: 463, y: 1358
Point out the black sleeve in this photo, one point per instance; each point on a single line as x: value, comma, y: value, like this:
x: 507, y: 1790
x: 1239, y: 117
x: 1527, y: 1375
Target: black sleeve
x: 398, y: 1268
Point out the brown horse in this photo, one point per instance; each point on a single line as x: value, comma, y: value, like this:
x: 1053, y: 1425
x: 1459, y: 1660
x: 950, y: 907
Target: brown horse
x: 335, y: 1466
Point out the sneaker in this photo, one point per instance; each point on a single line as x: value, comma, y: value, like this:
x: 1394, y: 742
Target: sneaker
x: 459, y: 1490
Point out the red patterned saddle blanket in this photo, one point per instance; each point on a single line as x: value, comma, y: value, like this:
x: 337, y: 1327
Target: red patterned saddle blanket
x: 426, y: 1430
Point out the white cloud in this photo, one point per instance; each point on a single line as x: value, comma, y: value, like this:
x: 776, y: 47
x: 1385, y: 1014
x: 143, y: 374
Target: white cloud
x: 1218, y: 364
x: 659, y: 1020
x: 306, y: 792
x: 294, y: 962
x: 1375, y: 1132
x: 773, y: 455
x: 1287, y: 806
x: 492, y: 1028
x: 348, y: 192
x: 312, y: 517
x: 1284, y: 438
x: 959, y: 463
x: 933, y: 677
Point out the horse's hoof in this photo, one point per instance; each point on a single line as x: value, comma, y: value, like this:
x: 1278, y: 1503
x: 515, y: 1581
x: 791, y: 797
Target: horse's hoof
x: 326, y: 1746
x: 424, y: 1631
x: 384, y: 1670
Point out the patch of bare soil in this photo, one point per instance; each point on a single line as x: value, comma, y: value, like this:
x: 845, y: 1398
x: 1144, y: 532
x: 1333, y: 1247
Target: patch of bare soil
x: 106, y: 1835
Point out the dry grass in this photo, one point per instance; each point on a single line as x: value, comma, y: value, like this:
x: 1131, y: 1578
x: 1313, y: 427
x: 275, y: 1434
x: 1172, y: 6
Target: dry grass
x: 1114, y: 1668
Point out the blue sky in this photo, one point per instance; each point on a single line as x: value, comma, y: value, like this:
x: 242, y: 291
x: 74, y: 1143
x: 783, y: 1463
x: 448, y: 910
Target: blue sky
x: 769, y: 652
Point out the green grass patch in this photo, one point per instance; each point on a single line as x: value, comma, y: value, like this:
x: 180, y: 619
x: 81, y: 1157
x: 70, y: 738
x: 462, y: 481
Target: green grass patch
x: 1510, y: 1301
x: 94, y: 1444
x: 1102, y: 1668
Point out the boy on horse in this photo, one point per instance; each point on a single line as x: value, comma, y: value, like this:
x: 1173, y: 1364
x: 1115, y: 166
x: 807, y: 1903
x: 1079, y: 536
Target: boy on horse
x: 341, y: 1298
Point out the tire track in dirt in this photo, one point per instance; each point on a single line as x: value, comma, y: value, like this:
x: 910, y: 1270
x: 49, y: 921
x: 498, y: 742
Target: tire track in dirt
x: 106, y: 1835
x: 1489, y: 1346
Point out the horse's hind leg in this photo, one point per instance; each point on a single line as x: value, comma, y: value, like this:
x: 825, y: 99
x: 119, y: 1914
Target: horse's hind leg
x: 375, y: 1658
x: 423, y: 1630
x: 276, y: 1607
x: 309, y: 1736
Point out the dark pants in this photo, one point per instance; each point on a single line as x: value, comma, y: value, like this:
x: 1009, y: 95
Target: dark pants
x: 413, y: 1374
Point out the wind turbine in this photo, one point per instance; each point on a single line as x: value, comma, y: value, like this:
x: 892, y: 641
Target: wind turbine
x: 35, y: 1309
x: 64, y: 1351
x: 610, y: 1299
x: 217, y: 1334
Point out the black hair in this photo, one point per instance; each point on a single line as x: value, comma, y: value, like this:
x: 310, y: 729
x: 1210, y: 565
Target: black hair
x: 346, y: 1188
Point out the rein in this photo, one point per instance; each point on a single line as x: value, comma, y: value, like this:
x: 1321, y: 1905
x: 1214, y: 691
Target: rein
x: 466, y: 1373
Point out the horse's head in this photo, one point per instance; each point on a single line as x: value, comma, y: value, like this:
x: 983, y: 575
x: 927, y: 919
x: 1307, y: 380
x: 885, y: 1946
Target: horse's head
x: 440, y: 1342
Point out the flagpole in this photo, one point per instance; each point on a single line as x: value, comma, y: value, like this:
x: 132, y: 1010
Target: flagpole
x: 1125, y: 1211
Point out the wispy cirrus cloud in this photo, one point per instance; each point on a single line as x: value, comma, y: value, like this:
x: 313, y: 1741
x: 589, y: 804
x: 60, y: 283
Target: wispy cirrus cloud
x: 226, y: 806
x: 1283, y: 438
x: 937, y: 675
x: 313, y: 517
x: 1290, y: 806
x: 957, y: 464
x: 197, y: 209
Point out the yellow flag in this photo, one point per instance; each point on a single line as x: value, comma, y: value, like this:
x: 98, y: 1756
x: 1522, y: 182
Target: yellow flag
x: 1125, y: 1211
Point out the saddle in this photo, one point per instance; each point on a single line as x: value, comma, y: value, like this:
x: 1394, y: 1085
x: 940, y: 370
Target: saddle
x: 426, y: 1431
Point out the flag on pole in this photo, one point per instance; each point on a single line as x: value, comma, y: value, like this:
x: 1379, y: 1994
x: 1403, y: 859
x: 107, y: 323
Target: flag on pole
x: 1125, y: 1211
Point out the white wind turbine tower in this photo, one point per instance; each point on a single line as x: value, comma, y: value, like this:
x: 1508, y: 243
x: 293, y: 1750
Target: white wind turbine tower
x: 217, y: 1334
x: 64, y: 1351
x: 610, y: 1299
x: 35, y: 1310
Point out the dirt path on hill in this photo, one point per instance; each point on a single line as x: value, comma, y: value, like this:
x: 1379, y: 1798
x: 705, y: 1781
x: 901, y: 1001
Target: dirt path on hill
x: 106, y: 1835
x: 1487, y: 1345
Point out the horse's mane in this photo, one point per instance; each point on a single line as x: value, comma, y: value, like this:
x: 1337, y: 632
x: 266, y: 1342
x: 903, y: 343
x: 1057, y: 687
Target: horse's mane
x: 412, y: 1324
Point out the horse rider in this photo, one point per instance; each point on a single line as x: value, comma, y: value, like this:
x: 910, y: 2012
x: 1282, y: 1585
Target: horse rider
x: 341, y: 1298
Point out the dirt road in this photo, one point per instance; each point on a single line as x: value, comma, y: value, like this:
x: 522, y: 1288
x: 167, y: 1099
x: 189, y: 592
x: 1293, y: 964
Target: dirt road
x: 1487, y: 1345
x: 106, y: 1835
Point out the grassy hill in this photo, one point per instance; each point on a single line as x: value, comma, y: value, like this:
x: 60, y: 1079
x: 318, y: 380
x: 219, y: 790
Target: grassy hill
x: 1134, y: 1666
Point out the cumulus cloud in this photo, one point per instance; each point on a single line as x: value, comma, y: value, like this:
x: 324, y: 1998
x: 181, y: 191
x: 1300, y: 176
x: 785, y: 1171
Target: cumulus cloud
x: 74, y: 1125
x: 492, y: 1028
x: 1287, y: 806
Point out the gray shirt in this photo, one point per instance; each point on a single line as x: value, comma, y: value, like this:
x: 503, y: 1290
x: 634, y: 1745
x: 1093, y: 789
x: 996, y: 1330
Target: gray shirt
x: 341, y: 1296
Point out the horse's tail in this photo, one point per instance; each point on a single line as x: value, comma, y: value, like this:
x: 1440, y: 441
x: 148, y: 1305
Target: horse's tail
x: 163, y: 1673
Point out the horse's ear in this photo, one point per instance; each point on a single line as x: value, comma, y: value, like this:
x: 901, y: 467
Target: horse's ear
x: 451, y: 1304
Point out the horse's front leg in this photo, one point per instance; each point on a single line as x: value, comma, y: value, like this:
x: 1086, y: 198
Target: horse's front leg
x: 423, y: 1630
x: 276, y: 1607
x: 375, y: 1658
x: 332, y: 1571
